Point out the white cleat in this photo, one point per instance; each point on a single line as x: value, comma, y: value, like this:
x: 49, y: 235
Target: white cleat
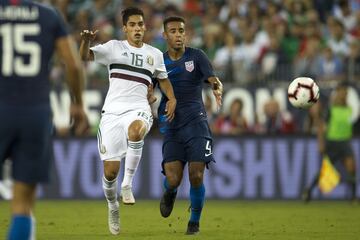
x: 6, y: 189
x: 127, y: 196
x: 114, y: 221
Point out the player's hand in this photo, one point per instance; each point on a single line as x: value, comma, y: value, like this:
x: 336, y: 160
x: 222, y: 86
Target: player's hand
x: 322, y: 147
x: 170, y: 109
x: 79, y: 120
x: 150, y: 95
x: 88, y: 35
x: 218, y: 91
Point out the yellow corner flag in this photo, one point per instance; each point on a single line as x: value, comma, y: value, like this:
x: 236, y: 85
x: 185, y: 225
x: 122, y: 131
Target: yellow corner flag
x: 329, y: 176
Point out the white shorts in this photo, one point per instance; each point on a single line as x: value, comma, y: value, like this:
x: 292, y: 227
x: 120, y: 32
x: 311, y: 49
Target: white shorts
x: 113, y: 132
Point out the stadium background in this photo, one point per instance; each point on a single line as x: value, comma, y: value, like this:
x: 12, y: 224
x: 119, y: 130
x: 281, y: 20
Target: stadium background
x: 256, y: 48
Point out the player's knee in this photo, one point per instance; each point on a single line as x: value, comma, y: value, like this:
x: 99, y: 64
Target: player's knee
x: 174, y: 180
x: 196, y: 178
x: 110, y: 174
x: 136, y: 131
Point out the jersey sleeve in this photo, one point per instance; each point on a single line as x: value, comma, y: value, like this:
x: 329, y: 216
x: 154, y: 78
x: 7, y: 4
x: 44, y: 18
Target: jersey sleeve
x: 102, y: 52
x: 160, y: 70
x: 60, y: 27
x: 203, y: 63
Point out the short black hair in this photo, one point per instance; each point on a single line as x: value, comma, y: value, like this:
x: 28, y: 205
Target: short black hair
x: 343, y: 3
x: 130, y: 11
x: 173, y: 19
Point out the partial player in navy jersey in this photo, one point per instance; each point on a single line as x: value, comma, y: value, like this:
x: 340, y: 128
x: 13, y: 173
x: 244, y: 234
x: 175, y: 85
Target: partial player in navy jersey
x: 187, y: 139
x: 29, y: 34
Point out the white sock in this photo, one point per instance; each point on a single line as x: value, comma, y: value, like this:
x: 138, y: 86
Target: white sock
x: 132, y: 159
x: 110, y: 192
x: 33, y: 227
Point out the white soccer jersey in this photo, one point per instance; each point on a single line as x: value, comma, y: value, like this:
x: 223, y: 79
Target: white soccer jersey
x: 131, y: 70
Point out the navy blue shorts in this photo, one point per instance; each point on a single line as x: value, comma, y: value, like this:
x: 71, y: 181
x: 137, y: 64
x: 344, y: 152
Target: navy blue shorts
x: 191, y: 143
x: 26, y: 139
x: 339, y: 150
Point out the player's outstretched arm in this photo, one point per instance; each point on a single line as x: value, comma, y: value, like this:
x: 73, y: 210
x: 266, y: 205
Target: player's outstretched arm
x: 66, y: 50
x: 167, y: 88
x: 217, y: 88
x: 87, y: 37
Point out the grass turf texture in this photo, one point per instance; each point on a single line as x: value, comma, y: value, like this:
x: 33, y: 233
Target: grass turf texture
x: 221, y: 220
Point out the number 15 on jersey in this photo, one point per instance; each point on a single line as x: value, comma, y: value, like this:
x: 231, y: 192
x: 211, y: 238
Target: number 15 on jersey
x: 13, y: 40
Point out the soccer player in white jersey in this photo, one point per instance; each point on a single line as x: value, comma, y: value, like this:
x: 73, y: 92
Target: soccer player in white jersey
x: 126, y: 114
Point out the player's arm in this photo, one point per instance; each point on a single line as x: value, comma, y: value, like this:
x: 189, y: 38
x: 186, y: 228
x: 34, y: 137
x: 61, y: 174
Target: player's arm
x: 66, y: 50
x: 217, y: 88
x: 87, y: 37
x: 150, y: 95
x: 167, y: 89
x: 207, y: 71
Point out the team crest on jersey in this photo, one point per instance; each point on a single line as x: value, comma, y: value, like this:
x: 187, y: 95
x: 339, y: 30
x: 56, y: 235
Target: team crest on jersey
x: 189, y: 66
x: 150, y: 60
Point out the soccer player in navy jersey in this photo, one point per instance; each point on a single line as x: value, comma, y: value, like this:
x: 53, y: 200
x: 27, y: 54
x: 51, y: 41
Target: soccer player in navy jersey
x: 187, y: 139
x: 29, y: 34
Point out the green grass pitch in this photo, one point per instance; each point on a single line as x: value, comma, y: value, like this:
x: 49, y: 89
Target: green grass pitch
x: 221, y: 220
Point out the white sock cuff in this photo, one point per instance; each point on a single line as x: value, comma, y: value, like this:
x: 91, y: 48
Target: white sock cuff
x: 136, y: 145
x: 109, y: 184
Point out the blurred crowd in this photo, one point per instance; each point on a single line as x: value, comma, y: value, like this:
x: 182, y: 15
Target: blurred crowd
x: 250, y: 43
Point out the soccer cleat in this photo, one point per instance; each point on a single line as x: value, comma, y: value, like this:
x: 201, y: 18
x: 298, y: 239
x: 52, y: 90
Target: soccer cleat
x: 306, y: 195
x: 6, y: 189
x: 193, y: 228
x: 167, y: 203
x: 127, y: 196
x: 114, y: 221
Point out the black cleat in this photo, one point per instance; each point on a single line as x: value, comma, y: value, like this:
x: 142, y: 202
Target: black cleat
x: 167, y: 203
x: 193, y: 228
x: 306, y: 195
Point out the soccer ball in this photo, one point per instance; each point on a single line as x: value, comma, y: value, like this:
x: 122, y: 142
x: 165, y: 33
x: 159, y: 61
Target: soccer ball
x: 303, y: 92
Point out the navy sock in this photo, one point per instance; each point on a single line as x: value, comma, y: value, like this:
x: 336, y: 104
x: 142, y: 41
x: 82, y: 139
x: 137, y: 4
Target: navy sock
x: 167, y: 186
x: 352, y: 183
x: 20, y: 228
x: 197, y: 198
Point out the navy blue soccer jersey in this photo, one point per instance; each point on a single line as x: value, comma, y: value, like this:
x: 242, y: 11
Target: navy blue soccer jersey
x: 187, y: 76
x: 28, y: 32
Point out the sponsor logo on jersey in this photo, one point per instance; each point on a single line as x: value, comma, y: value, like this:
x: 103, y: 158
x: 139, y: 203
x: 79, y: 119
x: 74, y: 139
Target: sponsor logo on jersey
x: 150, y: 60
x: 170, y: 71
x: 189, y: 66
x: 124, y: 54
